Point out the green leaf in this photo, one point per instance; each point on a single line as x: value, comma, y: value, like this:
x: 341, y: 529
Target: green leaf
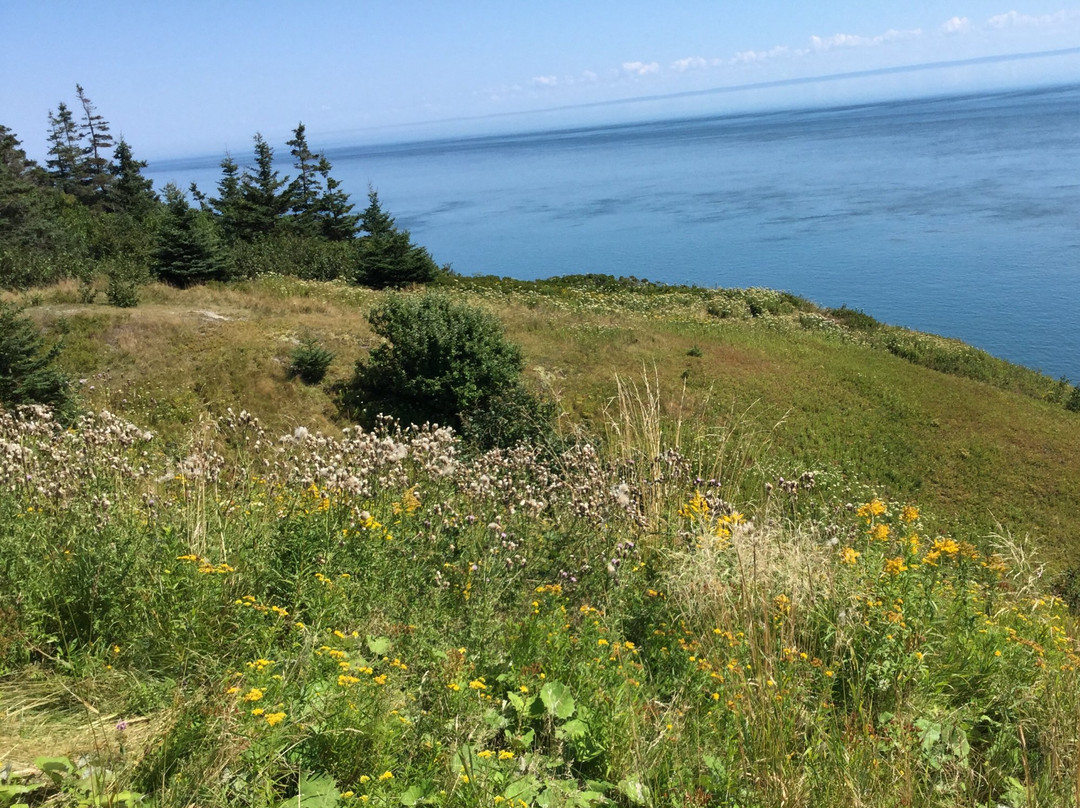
x: 574, y: 730
x: 634, y: 790
x: 378, y: 645
x: 314, y: 791
x: 415, y: 794
x: 557, y: 699
x: 57, y: 768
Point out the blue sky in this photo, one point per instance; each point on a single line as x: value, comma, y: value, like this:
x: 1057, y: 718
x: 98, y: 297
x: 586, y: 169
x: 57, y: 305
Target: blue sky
x: 196, y: 76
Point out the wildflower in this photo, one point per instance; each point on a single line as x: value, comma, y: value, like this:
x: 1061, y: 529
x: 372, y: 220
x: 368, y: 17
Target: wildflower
x: 894, y: 566
x: 258, y: 711
x: 364, y: 778
x: 697, y: 506
x: 506, y: 755
x: 484, y: 755
x: 874, y: 507
x: 386, y: 775
x: 478, y: 684
x: 253, y: 695
x: 231, y: 690
x: 849, y: 555
x: 947, y: 546
x: 380, y: 679
x: 121, y: 725
x: 275, y: 718
x: 909, y: 513
x: 880, y: 533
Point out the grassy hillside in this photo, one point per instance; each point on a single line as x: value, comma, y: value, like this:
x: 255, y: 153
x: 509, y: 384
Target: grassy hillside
x: 765, y: 568
x: 804, y: 390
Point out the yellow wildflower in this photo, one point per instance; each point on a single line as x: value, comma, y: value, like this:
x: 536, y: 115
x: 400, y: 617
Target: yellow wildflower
x: 849, y: 555
x: 275, y: 718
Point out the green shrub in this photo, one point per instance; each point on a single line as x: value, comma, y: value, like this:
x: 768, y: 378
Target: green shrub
x: 444, y: 362
x: 855, y: 319
x: 310, y: 361
x: 27, y: 375
x: 1073, y: 404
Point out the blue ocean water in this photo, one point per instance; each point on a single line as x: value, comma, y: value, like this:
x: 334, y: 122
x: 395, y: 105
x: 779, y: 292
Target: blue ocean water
x: 954, y: 215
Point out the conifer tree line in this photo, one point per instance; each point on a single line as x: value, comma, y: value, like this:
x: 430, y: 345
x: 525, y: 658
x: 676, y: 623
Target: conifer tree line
x: 89, y: 211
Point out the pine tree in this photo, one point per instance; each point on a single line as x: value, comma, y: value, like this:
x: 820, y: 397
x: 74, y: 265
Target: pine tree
x: 337, y: 222
x: 187, y: 250
x: 66, y: 151
x: 264, y: 196
x: 306, y: 189
x: 17, y: 189
x: 129, y: 191
x: 96, y: 142
x: 226, y: 205
x: 27, y: 375
x: 387, y: 255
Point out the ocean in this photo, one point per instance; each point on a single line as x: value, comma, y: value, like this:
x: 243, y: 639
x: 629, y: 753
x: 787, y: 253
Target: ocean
x: 955, y: 215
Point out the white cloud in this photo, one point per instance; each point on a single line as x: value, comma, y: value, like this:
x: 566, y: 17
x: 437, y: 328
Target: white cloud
x: 589, y: 76
x: 1014, y: 19
x: 749, y: 56
x: 956, y: 25
x: 693, y: 63
x: 640, y: 68
x: 856, y: 41
x: 544, y: 81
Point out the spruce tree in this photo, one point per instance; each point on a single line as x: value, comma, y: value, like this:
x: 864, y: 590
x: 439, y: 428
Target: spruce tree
x: 129, y: 191
x: 226, y: 205
x: 65, y: 150
x: 27, y: 375
x: 96, y: 142
x: 337, y: 222
x: 265, y: 197
x: 306, y: 189
x: 187, y: 250
x: 387, y: 255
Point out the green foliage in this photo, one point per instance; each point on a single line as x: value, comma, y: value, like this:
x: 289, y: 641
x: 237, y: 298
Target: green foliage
x: 1073, y: 404
x: 188, y: 250
x: 854, y: 318
x: 27, y: 374
x: 388, y: 258
x: 125, y: 279
x: 309, y: 361
x: 442, y: 361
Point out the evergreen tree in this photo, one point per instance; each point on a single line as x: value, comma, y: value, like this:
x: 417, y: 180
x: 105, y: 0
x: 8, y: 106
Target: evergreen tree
x: 387, y: 255
x: 187, y: 250
x: 337, y: 222
x: 129, y: 191
x: 64, y: 164
x: 306, y: 189
x: 96, y: 142
x: 264, y: 196
x: 18, y: 191
x: 226, y: 205
x: 26, y: 372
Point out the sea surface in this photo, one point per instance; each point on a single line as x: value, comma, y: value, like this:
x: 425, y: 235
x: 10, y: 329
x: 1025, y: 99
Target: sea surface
x: 956, y: 215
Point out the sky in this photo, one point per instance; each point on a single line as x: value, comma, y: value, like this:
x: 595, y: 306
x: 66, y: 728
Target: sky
x: 195, y: 77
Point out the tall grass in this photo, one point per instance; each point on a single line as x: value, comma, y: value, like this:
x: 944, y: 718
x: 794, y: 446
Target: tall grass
x: 374, y: 618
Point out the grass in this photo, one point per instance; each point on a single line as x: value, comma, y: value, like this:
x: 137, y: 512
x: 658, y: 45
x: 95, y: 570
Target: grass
x: 376, y: 619
x: 722, y: 593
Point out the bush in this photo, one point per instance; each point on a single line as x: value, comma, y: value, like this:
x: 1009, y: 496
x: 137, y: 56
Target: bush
x: 310, y: 361
x: 26, y: 372
x: 444, y: 362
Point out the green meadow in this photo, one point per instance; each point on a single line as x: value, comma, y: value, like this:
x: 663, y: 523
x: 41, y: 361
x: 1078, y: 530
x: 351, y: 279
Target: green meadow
x: 772, y: 555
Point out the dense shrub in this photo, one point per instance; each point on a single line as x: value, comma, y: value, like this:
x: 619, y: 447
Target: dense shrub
x: 445, y: 362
